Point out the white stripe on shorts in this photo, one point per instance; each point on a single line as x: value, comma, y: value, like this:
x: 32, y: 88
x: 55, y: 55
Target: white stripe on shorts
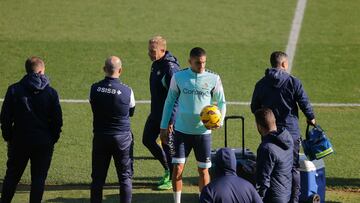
x: 204, y: 165
x: 178, y: 160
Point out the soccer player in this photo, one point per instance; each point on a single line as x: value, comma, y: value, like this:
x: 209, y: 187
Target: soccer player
x: 194, y: 88
x: 31, y: 121
x: 163, y: 67
x: 112, y: 103
x: 227, y: 186
x: 282, y: 93
x: 274, y: 159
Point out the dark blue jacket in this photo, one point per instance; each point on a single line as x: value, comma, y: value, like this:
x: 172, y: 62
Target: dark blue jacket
x: 31, y: 111
x: 227, y: 186
x: 161, y: 72
x: 282, y: 93
x: 273, y: 166
x: 112, y: 103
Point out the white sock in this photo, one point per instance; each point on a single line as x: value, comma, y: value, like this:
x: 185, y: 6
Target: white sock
x: 177, y: 197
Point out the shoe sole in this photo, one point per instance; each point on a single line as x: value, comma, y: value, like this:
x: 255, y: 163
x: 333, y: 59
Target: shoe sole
x: 165, y: 188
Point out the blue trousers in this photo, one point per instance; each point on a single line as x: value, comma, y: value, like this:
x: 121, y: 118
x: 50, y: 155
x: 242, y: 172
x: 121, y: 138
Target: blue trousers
x: 120, y: 149
x: 164, y: 154
x: 18, y: 156
x: 295, y: 189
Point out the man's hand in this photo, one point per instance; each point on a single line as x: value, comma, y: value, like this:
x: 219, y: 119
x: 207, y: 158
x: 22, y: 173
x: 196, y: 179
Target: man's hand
x: 170, y: 129
x: 213, y: 128
x: 164, y: 135
x: 311, y: 122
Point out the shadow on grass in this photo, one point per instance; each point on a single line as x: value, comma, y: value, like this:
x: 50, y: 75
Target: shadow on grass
x: 138, y: 183
x: 108, y: 186
x: 343, y: 182
x: 143, y: 158
x: 154, y: 180
x: 143, y: 197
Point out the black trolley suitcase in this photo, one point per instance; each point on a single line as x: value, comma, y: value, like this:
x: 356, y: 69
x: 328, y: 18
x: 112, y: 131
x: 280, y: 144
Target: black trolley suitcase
x: 245, y: 159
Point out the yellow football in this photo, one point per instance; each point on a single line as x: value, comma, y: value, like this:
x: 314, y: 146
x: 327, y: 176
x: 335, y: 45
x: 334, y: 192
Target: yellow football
x: 210, y: 116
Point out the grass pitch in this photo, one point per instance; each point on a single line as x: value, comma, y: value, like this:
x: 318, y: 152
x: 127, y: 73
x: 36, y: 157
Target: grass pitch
x: 75, y: 37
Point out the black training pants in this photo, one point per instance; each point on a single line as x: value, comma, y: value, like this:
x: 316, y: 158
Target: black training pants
x: 18, y: 156
x: 164, y: 153
x: 105, y: 147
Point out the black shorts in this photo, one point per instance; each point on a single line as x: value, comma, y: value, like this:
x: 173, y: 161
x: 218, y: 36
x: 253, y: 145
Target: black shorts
x: 184, y: 143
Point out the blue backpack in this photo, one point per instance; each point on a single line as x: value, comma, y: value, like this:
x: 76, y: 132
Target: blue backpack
x: 316, y: 145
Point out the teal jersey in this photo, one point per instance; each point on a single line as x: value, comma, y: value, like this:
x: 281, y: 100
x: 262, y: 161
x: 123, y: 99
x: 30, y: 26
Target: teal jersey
x: 193, y: 91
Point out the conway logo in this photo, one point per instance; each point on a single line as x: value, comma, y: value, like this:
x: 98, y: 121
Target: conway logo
x: 196, y: 92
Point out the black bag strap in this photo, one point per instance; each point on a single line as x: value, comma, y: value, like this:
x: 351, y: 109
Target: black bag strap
x: 307, y: 130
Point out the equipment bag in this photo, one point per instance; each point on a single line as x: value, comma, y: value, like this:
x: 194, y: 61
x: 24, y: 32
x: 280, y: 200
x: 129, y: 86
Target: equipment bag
x: 316, y: 145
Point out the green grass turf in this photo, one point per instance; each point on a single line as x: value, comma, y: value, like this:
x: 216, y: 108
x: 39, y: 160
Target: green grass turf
x: 72, y: 157
x: 74, y: 38
x: 327, y: 58
x: 81, y: 195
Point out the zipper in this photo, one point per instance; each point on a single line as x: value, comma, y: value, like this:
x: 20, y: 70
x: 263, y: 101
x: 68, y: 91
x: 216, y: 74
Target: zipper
x: 195, y: 87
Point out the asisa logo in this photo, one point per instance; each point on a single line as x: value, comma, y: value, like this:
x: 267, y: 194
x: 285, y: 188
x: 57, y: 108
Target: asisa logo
x: 196, y: 92
x: 108, y: 90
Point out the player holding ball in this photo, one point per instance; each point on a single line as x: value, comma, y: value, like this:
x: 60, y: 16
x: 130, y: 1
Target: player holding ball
x: 194, y: 88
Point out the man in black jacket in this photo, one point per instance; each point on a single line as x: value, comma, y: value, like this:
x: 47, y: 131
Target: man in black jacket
x: 283, y: 93
x: 274, y: 159
x: 112, y: 104
x: 162, y: 69
x: 31, y: 121
x: 227, y: 186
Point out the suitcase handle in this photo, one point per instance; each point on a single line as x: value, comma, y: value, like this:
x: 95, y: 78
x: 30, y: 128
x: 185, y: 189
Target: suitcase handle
x: 242, y: 130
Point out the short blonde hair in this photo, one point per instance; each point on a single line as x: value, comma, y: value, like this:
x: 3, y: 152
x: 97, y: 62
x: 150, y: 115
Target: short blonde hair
x: 159, y: 41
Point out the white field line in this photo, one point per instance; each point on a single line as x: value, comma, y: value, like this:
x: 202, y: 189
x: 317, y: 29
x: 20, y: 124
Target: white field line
x: 237, y: 103
x: 295, y: 31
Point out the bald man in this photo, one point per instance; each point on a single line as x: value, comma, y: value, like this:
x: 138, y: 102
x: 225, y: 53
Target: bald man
x: 112, y: 103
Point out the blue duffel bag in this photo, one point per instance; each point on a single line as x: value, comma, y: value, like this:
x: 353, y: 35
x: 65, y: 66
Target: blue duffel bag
x: 316, y: 145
